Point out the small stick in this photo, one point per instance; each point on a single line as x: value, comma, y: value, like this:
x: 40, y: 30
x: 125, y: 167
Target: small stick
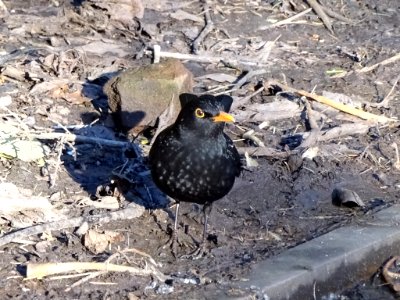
x: 335, y: 15
x: 389, y: 275
x: 345, y: 108
x: 3, y: 8
x: 342, y: 107
x: 240, y: 102
x: 209, y: 59
x: 397, y: 162
x: 263, y: 151
x: 69, y: 137
x: 246, y: 77
x: 206, y: 30
x: 130, y: 212
x: 321, y: 14
x: 286, y: 21
x: 109, y: 259
x: 385, y: 101
x: 41, y: 270
x: 382, y: 63
x: 315, y: 130
x: 53, y: 176
x: 339, y: 131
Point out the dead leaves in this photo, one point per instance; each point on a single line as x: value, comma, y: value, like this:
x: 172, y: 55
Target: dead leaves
x: 98, y: 242
x: 123, y: 11
x: 31, y: 209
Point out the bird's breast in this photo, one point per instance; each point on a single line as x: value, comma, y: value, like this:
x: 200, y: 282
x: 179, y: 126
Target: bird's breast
x: 193, y: 171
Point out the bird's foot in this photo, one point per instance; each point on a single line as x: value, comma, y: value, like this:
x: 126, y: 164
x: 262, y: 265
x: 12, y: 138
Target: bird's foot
x: 172, y: 243
x: 196, y: 254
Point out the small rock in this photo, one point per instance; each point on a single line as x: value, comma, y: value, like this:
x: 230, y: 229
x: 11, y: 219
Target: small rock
x: 295, y: 162
x: 345, y: 197
x: 137, y: 97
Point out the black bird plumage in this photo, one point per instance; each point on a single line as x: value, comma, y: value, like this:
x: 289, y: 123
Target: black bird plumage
x: 193, y: 160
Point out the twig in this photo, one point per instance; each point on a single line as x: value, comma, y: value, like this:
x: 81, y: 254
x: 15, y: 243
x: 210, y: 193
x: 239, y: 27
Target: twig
x: 3, y: 9
x: 382, y: 63
x: 347, y: 109
x: 397, y: 162
x: 385, y: 102
x: 337, y: 132
x: 342, y: 107
x: 53, y: 176
x: 247, y: 77
x: 335, y: 15
x: 109, y: 259
x: 391, y: 276
x: 321, y: 14
x: 207, y: 58
x: 240, y: 102
x: 69, y: 137
x: 263, y: 151
x: 315, y: 129
x: 130, y: 212
x: 251, y: 136
x: 206, y: 30
x: 39, y: 270
x: 286, y: 21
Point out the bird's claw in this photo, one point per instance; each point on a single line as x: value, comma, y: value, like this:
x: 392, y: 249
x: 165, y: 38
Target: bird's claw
x: 196, y: 254
x: 172, y: 244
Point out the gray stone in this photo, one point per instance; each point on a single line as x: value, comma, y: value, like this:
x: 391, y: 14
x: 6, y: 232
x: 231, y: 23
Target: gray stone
x: 139, y: 95
x: 328, y: 263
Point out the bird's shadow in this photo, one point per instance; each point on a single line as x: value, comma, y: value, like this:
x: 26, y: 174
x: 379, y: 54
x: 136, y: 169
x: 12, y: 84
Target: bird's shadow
x: 98, y: 167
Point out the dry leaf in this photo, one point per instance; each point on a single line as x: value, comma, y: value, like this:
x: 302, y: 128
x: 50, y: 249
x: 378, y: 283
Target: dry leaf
x: 183, y: 15
x: 24, y: 150
x: 98, y: 242
x: 34, y: 208
x: 250, y: 162
x: 219, y: 77
x: 46, y: 86
x: 123, y: 11
x: 76, y: 98
x: 105, y: 46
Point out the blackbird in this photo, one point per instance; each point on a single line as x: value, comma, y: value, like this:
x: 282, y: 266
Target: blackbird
x: 193, y: 160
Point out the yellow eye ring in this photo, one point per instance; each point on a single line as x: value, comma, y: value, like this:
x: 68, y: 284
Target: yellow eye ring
x: 199, y: 113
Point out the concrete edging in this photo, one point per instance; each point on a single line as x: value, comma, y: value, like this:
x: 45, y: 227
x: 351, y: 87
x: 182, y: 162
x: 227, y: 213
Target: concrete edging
x: 329, y: 263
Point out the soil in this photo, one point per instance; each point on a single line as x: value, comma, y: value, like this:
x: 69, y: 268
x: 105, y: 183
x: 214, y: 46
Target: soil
x: 272, y: 207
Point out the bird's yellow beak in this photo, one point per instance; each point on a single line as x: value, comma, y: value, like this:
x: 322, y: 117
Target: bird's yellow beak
x: 223, y: 117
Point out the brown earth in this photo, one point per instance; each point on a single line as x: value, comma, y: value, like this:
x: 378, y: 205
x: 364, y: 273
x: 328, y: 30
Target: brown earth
x: 272, y: 207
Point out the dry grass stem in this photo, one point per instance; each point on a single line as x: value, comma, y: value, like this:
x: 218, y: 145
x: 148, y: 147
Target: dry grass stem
x: 321, y: 14
x: 346, y: 108
x: 342, y: 107
x: 40, y: 270
x: 315, y: 129
x: 234, y: 62
x: 385, y: 102
x: 287, y: 21
x: 206, y: 30
x: 130, y: 212
x: 382, y: 63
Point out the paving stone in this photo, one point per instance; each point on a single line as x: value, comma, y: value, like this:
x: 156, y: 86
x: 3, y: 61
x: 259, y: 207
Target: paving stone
x: 328, y: 263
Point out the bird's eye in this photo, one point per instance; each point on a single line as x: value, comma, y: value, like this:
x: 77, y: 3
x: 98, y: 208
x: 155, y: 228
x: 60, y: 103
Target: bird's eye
x: 199, y: 113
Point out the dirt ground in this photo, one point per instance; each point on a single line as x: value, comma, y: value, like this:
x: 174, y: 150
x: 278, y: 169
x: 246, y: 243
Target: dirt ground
x: 273, y: 206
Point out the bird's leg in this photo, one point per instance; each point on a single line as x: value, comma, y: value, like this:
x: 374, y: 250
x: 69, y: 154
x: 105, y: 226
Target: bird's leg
x: 175, y: 233
x: 201, y: 250
x: 173, y: 240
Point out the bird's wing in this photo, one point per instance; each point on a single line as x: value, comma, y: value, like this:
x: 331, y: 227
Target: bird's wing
x: 234, y: 154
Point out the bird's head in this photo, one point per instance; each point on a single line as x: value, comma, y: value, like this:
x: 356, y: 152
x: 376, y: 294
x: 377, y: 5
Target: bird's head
x: 205, y: 114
